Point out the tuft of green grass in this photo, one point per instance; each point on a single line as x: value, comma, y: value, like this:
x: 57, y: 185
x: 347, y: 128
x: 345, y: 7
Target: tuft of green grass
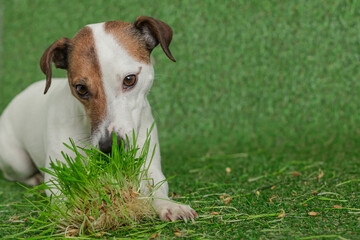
x: 94, y: 193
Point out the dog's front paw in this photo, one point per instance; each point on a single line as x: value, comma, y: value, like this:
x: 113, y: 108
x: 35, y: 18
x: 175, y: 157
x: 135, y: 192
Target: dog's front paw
x: 171, y: 211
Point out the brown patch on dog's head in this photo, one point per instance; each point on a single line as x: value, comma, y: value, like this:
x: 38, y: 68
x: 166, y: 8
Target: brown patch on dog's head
x: 78, y: 56
x: 129, y: 39
x: 84, y: 69
x: 141, y: 37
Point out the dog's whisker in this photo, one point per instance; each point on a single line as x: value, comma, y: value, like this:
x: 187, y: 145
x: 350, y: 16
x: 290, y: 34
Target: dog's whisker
x: 84, y: 139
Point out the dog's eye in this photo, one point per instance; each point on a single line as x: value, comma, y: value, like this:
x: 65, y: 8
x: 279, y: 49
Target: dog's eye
x: 129, y: 80
x: 81, y: 90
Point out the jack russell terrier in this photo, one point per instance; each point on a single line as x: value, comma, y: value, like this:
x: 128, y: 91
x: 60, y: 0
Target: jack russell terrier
x: 109, y: 74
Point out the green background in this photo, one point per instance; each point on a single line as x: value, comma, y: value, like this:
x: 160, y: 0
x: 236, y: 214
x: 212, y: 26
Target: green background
x: 249, y: 75
x: 277, y: 81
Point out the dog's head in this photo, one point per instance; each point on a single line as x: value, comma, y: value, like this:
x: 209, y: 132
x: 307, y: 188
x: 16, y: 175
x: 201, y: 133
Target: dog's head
x: 110, y: 72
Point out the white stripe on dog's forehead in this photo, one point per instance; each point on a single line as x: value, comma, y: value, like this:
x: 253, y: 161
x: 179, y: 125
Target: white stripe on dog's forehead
x: 116, y: 62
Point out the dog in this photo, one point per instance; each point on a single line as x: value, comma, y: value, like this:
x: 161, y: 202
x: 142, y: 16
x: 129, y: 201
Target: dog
x: 109, y: 73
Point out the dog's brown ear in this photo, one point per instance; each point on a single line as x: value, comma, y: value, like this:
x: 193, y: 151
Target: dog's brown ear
x: 57, y: 53
x: 155, y: 32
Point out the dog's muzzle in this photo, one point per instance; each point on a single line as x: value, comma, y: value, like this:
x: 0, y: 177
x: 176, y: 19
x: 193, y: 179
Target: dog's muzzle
x: 106, y: 142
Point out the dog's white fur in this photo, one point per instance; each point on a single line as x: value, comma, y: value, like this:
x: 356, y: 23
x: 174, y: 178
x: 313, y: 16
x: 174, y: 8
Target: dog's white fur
x: 34, y: 127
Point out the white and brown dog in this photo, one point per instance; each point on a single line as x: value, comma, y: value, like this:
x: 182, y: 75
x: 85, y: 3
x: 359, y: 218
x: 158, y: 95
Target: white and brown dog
x: 110, y: 72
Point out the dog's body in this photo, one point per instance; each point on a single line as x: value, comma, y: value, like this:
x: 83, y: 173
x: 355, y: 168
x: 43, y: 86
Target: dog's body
x: 109, y: 75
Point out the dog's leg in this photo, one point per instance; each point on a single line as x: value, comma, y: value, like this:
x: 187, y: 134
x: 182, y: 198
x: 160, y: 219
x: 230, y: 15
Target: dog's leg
x: 166, y: 209
x: 16, y: 164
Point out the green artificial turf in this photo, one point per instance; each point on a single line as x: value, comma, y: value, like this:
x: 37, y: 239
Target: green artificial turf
x: 270, y: 89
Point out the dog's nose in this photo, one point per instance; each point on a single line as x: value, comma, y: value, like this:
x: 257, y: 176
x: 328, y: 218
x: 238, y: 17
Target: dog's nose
x: 106, y: 142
